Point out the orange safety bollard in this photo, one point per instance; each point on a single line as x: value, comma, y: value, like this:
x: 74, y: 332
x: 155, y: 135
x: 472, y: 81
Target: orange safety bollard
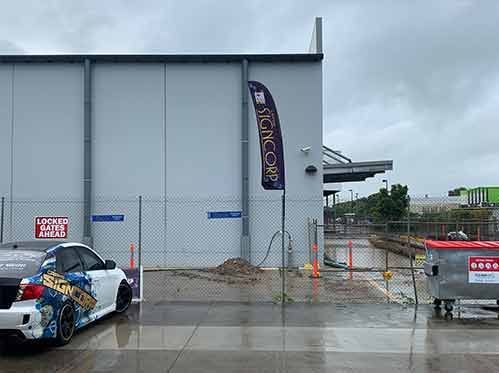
x: 315, y: 264
x: 350, y: 258
x: 132, y: 259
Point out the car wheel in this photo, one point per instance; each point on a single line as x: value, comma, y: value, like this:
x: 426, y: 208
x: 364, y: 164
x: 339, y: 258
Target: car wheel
x: 124, y: 297
x: 65, y: 324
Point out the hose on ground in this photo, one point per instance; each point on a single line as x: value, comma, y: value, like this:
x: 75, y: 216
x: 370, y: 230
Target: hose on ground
x: 270, y: 246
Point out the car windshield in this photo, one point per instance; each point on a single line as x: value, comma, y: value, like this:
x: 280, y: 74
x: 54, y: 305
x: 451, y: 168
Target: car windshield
x: 20, y: 263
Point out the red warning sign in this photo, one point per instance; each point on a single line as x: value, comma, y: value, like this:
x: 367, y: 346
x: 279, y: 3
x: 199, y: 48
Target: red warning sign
x: 483, y: 269
x: 47, y: 227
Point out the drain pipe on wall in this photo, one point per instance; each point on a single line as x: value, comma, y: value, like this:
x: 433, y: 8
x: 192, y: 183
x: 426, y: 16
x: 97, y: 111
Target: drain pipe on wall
x: 245, y: 231
x: 87, y: 152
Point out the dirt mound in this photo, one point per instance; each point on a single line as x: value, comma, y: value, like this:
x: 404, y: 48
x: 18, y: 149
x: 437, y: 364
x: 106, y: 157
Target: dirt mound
x: 236, y: 266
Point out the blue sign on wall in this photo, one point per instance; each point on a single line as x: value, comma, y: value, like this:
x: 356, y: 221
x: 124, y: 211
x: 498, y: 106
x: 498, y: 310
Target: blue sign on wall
x: 108, y: 218
x: 224, y: 214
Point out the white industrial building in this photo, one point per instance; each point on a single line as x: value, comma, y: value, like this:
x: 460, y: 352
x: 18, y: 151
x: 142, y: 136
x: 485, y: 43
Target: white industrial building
x: 88, y: 134
x: 82, y: 135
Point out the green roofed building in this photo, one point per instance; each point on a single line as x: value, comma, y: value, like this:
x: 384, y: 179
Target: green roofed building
x: 483, y: 196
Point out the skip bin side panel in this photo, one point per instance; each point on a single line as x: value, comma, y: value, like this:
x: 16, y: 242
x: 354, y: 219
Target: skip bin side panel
x: 453, y: 279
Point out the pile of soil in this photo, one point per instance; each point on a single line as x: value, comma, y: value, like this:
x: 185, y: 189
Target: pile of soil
x: 236, y: 266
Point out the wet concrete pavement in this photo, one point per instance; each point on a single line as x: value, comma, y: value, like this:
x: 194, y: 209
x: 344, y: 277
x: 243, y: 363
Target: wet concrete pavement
x: 261, y: 337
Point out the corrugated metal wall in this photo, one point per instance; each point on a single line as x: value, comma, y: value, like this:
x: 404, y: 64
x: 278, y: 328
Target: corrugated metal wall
x: 168, y: 132
x: 41, y: 122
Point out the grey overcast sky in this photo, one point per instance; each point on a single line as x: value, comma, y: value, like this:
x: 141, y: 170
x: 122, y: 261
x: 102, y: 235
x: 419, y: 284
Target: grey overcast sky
x: 412, y: 81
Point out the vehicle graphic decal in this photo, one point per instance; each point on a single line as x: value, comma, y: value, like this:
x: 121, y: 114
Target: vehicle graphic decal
x: 45, y: 287
x: 57, y: 282
x: 57, y: 292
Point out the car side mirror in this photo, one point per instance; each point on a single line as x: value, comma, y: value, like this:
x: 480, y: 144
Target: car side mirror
x: 110, y: 264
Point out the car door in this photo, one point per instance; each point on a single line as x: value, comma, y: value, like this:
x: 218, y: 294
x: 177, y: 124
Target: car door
x: 75, y: 284
x: 94, y: 267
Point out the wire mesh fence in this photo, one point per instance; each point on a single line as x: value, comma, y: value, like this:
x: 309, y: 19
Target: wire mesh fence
x: 201, y: 257
x: 359, y: 244
x: 357, y: 257
x: 189, y: 256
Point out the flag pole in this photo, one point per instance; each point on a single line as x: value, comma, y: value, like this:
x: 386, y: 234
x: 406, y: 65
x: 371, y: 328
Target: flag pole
x: 283, y: 250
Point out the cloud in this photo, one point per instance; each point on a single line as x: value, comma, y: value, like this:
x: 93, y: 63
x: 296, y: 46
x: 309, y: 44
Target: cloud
x: 416, y: 82
x: 159, y: 26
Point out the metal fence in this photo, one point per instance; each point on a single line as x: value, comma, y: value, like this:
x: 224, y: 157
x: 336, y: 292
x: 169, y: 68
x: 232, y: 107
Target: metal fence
x: 188, y: 257
x: 375, y: 272
x: 181, y: 249
x: 391, y: 253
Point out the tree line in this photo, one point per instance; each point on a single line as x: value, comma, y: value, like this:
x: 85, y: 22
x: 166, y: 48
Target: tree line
x: 378, y: 207
x: 393, y: 205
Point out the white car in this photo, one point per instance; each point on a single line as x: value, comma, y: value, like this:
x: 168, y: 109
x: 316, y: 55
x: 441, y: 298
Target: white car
x: 51, y: 289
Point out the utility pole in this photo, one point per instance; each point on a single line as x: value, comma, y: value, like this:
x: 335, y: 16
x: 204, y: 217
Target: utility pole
x: 334, y: 209
x: 356, y: 204
x: 386, y: 184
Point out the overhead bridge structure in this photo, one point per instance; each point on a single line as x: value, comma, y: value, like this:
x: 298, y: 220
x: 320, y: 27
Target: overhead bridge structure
x: 337, y: 168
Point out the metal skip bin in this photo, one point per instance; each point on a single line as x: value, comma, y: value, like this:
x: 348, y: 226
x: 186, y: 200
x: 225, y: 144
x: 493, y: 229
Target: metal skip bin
x: 462, y: 270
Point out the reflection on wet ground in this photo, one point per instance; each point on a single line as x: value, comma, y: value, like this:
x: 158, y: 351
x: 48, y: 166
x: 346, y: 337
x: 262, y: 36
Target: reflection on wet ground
x: 261, y: 337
